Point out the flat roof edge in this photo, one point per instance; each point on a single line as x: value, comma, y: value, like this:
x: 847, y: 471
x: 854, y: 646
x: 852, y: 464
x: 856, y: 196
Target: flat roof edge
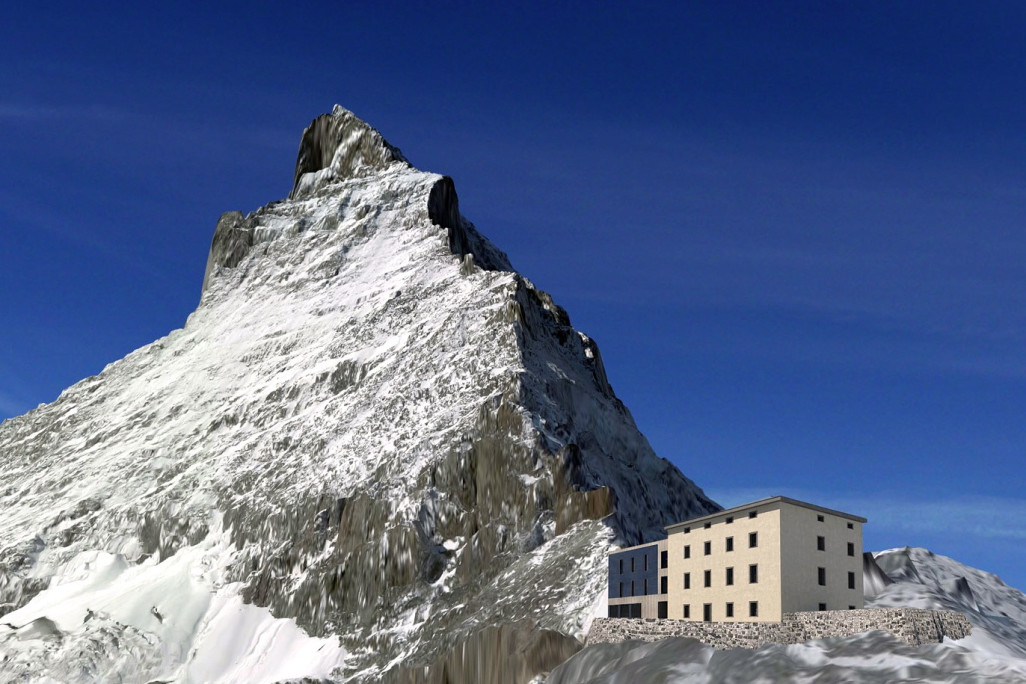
x: 655, y: 543
x: 763, y: 502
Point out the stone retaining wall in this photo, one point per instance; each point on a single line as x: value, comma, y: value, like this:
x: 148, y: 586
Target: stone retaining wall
x: 914, y: 626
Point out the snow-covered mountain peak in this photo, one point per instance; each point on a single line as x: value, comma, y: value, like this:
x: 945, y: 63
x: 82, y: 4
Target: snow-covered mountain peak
x: 372, y: 428
x: 345, y: 172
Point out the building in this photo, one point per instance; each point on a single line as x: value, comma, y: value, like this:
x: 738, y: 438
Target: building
x: 749, y: 563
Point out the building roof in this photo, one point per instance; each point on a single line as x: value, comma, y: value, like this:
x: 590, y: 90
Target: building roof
x: 763, y: 502
x: 657, y: 543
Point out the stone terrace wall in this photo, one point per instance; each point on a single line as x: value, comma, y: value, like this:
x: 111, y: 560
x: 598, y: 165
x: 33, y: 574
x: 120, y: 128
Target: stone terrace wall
x: 914, y: 626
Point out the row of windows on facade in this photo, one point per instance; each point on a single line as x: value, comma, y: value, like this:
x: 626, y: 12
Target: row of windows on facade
x: 707, y: 610
x: 754, y: 514
x: 753, y: 578
x: 728, y: 610
x: 753, y: 542
x: 644, y: 588
x: 664, y: 562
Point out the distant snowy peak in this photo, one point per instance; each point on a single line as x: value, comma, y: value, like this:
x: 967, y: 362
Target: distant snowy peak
x: 919, y: 578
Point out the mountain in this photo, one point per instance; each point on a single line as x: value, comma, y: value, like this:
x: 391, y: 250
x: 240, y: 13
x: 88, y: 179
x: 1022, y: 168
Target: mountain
x: 923, y: 579
x: 374, y: 451
x: 995, y: 651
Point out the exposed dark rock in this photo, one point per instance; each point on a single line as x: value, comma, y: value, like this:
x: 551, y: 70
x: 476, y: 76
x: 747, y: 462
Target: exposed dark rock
x: 874, y: 579
x: 504, y: 654
x: 444, y: 210
x: 233, y: 238
x: 344, y: 143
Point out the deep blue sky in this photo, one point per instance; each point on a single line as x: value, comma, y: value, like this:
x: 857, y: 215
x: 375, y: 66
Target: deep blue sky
x: 796, y: 231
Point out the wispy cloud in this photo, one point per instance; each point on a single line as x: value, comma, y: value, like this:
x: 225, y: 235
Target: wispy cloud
x: 28, y: 111
x: 897, y: 513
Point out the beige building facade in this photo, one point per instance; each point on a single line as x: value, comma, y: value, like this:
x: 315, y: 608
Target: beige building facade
x: 749, y: 563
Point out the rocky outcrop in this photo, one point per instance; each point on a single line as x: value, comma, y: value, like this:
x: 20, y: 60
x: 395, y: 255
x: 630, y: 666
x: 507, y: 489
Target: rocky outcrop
x: 874, y: 579
x: 494, y: 655
x: 233, y: 238
x: 339, y: 146
x: 464, y: 240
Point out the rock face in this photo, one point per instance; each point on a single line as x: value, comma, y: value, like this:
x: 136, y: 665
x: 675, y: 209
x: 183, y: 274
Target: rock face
x: 372, y: 440
x: 337, y: 146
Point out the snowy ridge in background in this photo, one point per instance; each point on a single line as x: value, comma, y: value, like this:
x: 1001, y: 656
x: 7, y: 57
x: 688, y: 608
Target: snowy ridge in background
x: 371, y: 440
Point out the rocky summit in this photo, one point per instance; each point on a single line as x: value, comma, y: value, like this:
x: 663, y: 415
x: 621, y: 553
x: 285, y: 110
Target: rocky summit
x: 374, y: 452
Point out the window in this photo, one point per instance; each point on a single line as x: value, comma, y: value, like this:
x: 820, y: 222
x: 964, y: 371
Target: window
x: 821, y: 543
x: 708, y: 548
x: 632, y: 587
x: 753, y: 574
x: 621, y: 566
x: 753, y: 609
x: 753, y: 514
x: 620, y: 593
x: 851, y: 548
x: 730, y: 610
x: 851, y: 526
x: 687, y: 530
x: 687, y: 551
x: 644, y: 586
x: 707, y: 525
x: 663, y: 560
x: 687, y: 611
x: 632, y: 563
x: 730, y: 543
x: 851, y: 607
x: 662, y: 584
x: 730, y: 519
x: 819, y: 518
x: 730, y: 577
x: 662, y: 610
x: 687, y: 580
x: 753, y: 539
x: 645, y: 562
x: 822, y: 606
x: 708, y: 578
x: 851, y: 580
x: 707, y: 612
x: 821, y: 576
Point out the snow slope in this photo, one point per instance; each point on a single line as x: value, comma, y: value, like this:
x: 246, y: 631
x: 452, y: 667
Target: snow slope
x: 923, y: 579
x: 372, y: 440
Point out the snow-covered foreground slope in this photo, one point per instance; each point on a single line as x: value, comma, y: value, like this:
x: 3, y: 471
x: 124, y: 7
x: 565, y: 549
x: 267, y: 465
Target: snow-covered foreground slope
x: 873, y: 657
x: 106, y: 619
x: 916, y: 578
x: 372, y: 440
